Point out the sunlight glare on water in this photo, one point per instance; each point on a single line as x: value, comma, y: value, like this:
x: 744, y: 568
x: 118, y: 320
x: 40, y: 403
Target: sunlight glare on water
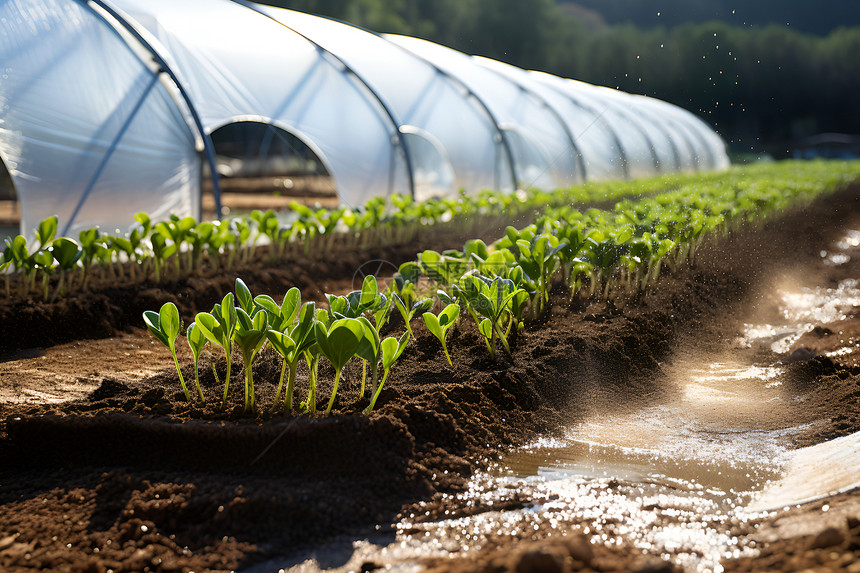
x: 669, y: 479
x: 802, y: 311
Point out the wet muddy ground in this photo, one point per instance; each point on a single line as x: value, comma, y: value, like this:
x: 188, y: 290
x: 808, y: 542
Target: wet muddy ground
x: 625, y: 435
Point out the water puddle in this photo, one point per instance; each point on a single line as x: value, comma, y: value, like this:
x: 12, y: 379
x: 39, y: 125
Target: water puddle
x: 670, y: 479
x: 801, y: 312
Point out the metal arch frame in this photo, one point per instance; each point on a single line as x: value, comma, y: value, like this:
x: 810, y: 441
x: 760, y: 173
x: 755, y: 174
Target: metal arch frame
x: 654, y: 121
x: 549, y: 107
x: 698, y: 127
x: 506, y: 145
x: 5, y: 166
x: 648, y: 119
x: 452, y: 78
x: 165, y: 68
x: 685, y: 134
x: 691, y: 136
x: 598, y: 116
x: 109, y: 153
x: 634, y: 121
x: 391, y: 117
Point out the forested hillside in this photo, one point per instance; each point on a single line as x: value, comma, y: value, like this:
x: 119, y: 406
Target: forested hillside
x: 761, y: 85
x: 819, y: 17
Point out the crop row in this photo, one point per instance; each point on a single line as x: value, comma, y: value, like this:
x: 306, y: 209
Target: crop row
x: 178, y: 247
x: 501, y: 286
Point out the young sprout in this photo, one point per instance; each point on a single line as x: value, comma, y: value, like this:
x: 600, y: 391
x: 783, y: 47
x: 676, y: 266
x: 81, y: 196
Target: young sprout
x: 391, y: 349
x: 538, y: 259
x: 92, y: 246
x: 165, y: 325
x: 338, y: 342
x: 441, y: 324
x: 243, y: 297
x: 161, y: 251
x: 368, y: 351
x: 280, y: 319
x: 408, y: 311
x: 176, y: 229
x: 291, y: 343
x: 493, y: 300
x: 43, y: 261
x: 218, y: 328
x: 488, y: 332
x: 357, y: 302
x: 67, y: 253
x: 46, y: 231
x: 368, y: 299
x: 312, y: 357
x: 249, y: 336
x: 196, y: 340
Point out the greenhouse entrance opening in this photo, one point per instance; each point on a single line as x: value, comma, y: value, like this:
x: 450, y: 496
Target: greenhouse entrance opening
x: 262, y: 166
x: 10, y: 209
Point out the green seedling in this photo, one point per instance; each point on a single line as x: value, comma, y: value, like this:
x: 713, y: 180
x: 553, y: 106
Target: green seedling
x: 67, y: 253
x: 368, y: 351
x: 196, y: 340
x: 368, y: 299
x: 244, y: 298
x: 292, y: 342
x: 250, y: 336
x: 443, y: 269
x: 441, y: 324
x: 382, y: 312
x: 15, y: 255
x: 218, y: 327
x: 5, y: 262
x: 520, y: 300
x: 198, y: 239
x: 409, y: 311
x: 176, y: 229
x: 165, y: 325
x: 312, y: 357
x: 357, y: 302
x: 538, y: 259
x: 280, y: 319
x: 92, y: 247
x: 239, y: 231
x: 338, y: 342
x: 391, y: 348
x: 491, y: 299
x: 45, y: 231
x: 42, y: 261
x: 121, y: 245
x: 161, y: 251
x: 355, y: 305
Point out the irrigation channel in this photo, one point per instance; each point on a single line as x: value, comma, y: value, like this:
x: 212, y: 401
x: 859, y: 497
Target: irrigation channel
x: 672, y: 478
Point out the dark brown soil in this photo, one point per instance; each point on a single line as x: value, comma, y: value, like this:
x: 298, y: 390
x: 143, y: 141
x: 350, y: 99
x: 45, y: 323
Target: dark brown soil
x: 127, y: 476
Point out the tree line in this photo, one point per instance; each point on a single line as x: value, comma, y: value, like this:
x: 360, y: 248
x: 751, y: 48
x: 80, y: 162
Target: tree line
x: 760, y: 87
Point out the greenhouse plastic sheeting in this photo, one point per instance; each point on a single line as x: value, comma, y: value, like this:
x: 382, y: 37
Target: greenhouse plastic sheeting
x: 106, y: 107
x: 450, y: 131
x: 544, y: 154
x: 80, y: 114
x: 598, y: 148
x: 238, y: 64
